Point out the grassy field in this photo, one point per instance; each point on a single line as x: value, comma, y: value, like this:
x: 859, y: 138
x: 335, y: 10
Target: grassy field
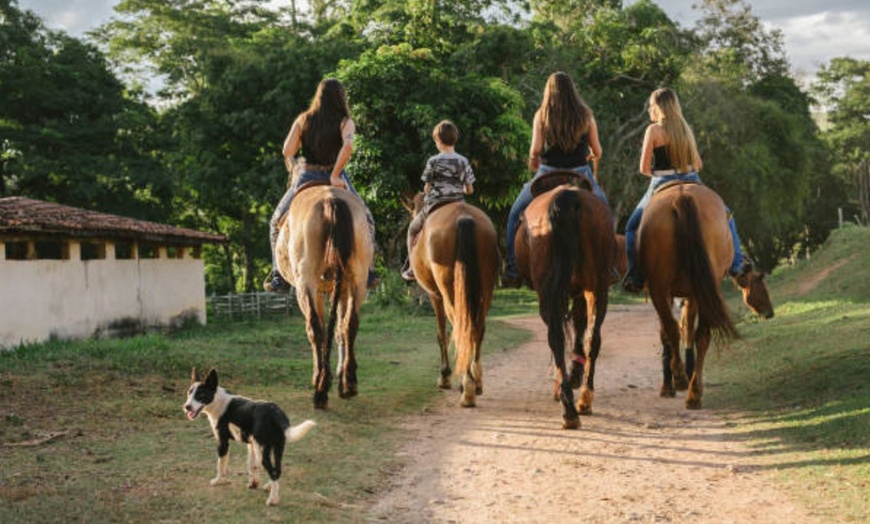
x: 797, y: 387
x: 93, y: 431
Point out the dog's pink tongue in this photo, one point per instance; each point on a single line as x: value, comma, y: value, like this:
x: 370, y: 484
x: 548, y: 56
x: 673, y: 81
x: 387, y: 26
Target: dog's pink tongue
x: 191, y: 415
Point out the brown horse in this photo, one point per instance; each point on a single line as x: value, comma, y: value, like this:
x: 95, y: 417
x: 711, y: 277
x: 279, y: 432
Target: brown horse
x: 684, y: 251
x: 325, y: 248
x: 565, y: 250
x: 456, y: 260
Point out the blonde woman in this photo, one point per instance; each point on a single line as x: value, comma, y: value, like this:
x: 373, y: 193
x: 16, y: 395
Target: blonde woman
x: 564, y: 138
x: 669, y: 153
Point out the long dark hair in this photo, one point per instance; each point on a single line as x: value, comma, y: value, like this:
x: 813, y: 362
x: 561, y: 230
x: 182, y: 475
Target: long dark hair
x: 564, y: 115
x: 321, y: 123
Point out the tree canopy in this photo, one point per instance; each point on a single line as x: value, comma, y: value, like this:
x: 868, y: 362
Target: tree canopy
x: 232, y: 76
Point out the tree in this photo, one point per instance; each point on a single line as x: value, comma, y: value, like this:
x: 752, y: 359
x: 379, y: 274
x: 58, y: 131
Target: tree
x: 237, y: 79
x: 397, y: 95
x: 844, y: 87
x: 70, y: 131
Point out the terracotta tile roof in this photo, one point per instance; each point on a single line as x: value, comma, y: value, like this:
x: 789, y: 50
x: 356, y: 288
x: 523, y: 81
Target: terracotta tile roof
x: 19, y: 215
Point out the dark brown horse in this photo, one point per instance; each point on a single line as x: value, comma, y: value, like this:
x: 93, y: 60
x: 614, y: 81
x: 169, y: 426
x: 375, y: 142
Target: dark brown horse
x: 456, y: 260
x: 325, y: 248
x: 565, y: 250
x: 684, y: 251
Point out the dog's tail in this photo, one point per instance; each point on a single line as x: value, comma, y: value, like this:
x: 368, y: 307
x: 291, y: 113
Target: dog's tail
x: 294, y: 433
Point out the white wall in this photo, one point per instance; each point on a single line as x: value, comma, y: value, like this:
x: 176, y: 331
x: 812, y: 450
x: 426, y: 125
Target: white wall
x: 40, y: 299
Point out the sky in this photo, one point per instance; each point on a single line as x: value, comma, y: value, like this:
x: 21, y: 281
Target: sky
x: 815, y: 31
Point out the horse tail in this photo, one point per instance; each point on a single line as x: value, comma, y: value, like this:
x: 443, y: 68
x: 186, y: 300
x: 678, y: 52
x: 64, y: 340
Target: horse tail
x: 467, y: 295
x: 712, y: 309
x: 564, y: 256
x: 339, y: 248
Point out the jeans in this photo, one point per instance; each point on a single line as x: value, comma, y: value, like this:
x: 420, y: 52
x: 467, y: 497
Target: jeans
x: 287, y: 199
x: 525, y: 198
x: 634, y: 223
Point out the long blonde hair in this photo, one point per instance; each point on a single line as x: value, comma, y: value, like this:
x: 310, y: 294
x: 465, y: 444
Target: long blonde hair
x: 681, y: 145
x: 564, y: 115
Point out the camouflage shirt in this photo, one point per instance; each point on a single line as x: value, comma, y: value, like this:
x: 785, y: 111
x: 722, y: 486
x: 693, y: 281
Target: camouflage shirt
x: 447, y: 174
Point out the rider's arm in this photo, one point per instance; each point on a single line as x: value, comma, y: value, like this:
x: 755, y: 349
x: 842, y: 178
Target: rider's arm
x: 348, y: 128
x: 594, y: 146
x: 293, y: 141
x: 594, y: 142
x: 646, y: 152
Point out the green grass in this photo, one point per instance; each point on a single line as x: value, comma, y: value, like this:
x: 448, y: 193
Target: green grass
x: 798, y: 387
x: 129, y: 454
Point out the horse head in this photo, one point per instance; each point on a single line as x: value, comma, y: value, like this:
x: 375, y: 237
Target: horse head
x: 755, y: 295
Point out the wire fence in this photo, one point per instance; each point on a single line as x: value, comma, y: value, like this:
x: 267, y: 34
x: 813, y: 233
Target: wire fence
x: 246, y: 306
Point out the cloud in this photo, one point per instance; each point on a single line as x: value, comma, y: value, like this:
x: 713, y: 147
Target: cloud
x: 72, y: 16
x: 813, y: 40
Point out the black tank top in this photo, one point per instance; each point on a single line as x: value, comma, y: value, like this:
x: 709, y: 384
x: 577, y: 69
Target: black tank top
x: 661, y: 159
x: 555, y: 156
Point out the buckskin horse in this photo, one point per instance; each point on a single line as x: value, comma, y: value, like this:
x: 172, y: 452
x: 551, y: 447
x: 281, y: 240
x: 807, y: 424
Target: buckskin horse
x: 565, y: 250
x: 684, y: 251
x: 456, y: 261
x: 325, y: 248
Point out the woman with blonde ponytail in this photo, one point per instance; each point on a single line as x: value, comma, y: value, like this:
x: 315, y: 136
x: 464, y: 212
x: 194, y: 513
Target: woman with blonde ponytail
x: 669, y: 153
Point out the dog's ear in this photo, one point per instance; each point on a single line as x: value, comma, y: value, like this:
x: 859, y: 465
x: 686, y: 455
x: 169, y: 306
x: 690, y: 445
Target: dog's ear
x: 192, y: 375
x: 211, y: 380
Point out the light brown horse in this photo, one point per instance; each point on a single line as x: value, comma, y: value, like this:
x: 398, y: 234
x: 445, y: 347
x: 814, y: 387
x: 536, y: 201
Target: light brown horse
x: 684, y: 251
x: 324, y: 247
x: 565, y: 250
x: 456, y: 260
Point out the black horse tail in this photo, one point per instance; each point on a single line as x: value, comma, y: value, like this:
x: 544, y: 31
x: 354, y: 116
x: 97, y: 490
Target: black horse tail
x: 339, y: 248
x: 712, y: 309
x: 467, y: 295
x: 564, y: 256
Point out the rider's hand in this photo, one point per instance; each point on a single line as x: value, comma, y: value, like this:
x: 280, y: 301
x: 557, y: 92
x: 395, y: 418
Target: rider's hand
x: 337, y: 182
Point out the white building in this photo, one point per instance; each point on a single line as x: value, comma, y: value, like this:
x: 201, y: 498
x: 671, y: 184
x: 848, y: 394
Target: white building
x: 71, y: 273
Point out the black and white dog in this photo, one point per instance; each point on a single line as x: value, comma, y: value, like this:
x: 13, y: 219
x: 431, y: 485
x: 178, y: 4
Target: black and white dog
x: 260, y: 425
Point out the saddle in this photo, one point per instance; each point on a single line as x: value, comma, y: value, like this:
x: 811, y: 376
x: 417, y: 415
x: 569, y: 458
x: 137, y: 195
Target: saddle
x: 554, y: 179
x: 672, y: 183
x: 426, y: 214
x: 311, y: 183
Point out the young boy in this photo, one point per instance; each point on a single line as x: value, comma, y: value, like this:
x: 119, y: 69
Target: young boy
x: 448, y: 178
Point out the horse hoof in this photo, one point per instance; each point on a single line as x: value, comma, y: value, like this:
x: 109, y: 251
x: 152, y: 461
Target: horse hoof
x: 570, y: 423
x: 468, y: 404
x: 321, y: 400
x: 667, y: 392
x: 444, y: 384
x: 584, y: 410
x: 693, y: 403
x: 681, y: 383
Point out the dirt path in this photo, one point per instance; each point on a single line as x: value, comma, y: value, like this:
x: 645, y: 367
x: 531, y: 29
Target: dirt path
x: 638, y: 458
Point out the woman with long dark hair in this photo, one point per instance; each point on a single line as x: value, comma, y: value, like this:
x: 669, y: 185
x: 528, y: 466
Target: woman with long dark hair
x: 324, y: 133
x: 564, y: 138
